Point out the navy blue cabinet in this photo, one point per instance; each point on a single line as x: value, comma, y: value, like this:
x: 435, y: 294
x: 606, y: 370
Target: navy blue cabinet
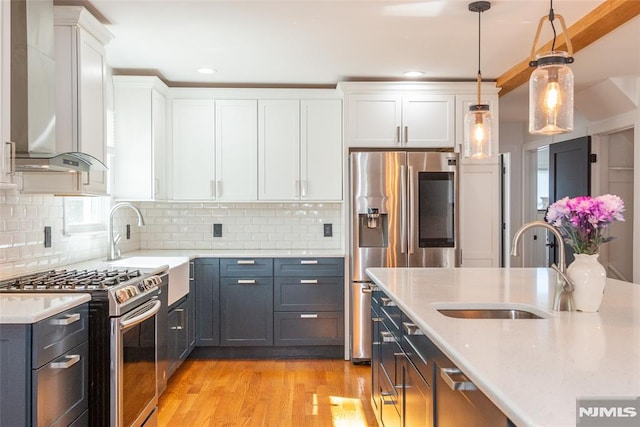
x: 207, y: 301
x: 44, y: 369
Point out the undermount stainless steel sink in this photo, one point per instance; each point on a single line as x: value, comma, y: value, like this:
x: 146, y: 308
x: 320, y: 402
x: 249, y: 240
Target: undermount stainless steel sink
x: 499, y: 313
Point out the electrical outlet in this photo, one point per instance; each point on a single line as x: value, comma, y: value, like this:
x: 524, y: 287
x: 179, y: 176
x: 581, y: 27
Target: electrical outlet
x: 217, y: 230
x: 128, y: 231
x: 328, y: 230
x: 47, y: 237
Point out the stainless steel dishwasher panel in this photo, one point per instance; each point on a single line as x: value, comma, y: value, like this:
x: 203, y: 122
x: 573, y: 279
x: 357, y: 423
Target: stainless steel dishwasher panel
x: 360, y: 324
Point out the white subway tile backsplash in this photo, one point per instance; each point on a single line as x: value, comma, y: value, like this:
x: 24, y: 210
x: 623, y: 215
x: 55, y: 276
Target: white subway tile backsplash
x: 168, y: 226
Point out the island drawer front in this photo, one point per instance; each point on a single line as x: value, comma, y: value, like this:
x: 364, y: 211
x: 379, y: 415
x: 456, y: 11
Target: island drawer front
x: 246, y: 267
x: 67, y: 379
x: 309, y: 267
x: 58, y: 334
x: 308, y: 328
x: 421, y: 353
x: 300, y: 294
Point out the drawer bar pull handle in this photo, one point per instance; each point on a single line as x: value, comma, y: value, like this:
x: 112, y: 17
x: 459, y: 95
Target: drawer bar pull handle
x: 309, y: 316
x: 386, y: 394
x: 387, y: 336
x: 246, y: 282
x: 72, y: 359
x: 246, y: 261
x: 387, y: 302
x: 71, y: 318
x: 309, y: 281
x: 411, y: 329
x: 446, y: 374
x: 309, y: 261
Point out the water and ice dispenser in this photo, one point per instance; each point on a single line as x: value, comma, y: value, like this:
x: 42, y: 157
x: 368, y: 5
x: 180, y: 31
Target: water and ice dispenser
x: 373, y: 229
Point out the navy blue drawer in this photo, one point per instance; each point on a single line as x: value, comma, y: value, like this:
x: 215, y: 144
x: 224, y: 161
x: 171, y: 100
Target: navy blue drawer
x: 308, y: 267
x: 308, y: 328
x: 246, y: 267
x: 299, y: 294
x: 58, y: 334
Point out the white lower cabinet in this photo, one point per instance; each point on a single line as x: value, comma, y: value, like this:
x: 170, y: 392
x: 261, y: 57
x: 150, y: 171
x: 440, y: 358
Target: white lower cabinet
x: 140, y: 138
x: 480, y: 224
x: 193, y: 136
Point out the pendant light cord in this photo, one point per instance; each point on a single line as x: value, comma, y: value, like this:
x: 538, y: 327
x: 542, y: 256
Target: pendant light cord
x: 553, y: 27
x: 479, y: 77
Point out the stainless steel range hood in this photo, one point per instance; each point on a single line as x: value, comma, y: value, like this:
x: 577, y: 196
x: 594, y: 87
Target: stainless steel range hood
x: 33, y: 79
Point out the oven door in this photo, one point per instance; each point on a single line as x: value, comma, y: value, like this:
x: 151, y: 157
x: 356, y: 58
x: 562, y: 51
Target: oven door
x: 134, y: 357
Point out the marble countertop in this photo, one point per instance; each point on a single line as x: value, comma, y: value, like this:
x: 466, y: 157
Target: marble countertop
x: 533, y: 370
x: 31, y: 308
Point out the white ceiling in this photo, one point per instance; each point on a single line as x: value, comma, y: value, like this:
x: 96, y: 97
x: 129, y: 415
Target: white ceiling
x: 323, y: 42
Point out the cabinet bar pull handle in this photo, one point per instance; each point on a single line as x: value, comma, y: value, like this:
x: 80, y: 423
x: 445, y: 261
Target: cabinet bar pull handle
x: 389, y: 395
x: 71, y: 318
x: 218, y: 189
x: 156, y: 186
x: 246, y: 261
x: 71, y: 360
x: 411, y: 329
x: 397, y: 141
x: 387, y: 302
x: 446, y: 373
x: 12, y: 157
x: 387, y: 336
x: 246, y: 282
x: 376, y: 319
x: 406, y: 134
x: 309, y: 281
x: 309, y: 316
x: 297, y: 188
x: 308, y: 261
x: 212, y: 188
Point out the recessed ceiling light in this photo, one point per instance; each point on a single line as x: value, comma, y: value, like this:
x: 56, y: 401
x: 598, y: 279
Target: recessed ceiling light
x: 207, y: 70
x: 413, y: 73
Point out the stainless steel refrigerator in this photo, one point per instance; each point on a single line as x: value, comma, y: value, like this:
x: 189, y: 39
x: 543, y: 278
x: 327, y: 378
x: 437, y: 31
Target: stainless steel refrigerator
x: 403, y: 214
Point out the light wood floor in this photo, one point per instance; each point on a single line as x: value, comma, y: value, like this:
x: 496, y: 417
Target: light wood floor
x: 278, y: 393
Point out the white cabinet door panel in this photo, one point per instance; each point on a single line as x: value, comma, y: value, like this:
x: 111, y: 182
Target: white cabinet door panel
x: 321, y: 149
x: 159, y: 145
x: 279, y: 149
x: 374, y: 120
x: 237, y: 149
x: 428, y: 121
x: 193, y: 149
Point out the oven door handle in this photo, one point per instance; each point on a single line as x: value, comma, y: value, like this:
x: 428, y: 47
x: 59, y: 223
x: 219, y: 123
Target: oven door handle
x: 154, y: 308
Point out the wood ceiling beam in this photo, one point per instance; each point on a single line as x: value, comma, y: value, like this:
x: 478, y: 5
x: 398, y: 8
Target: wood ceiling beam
x: 600, y: 21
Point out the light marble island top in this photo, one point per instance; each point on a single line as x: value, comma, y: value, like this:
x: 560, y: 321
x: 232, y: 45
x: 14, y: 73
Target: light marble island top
x: 26, y: 308
x: 532, y: 369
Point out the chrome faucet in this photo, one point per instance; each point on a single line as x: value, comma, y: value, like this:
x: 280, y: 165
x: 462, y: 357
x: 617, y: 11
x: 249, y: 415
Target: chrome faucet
x: 114, y: 252
x: 563, y: 297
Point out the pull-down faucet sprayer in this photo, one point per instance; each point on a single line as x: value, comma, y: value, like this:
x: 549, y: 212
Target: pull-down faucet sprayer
x: 114, y: 252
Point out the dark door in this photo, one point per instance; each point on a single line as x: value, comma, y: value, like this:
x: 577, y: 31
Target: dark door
x: 569, y: 176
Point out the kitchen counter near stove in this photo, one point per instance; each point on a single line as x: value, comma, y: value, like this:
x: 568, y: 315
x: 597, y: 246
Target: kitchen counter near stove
x: 28, y: 308
x: 533, y: 370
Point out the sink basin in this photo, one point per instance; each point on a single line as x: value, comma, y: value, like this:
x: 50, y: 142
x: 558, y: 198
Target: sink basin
x: 499, y: 313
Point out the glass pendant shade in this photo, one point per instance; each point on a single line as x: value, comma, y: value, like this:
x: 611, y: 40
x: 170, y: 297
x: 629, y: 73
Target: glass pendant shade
x: 477, y: 140
x: 551, y: 95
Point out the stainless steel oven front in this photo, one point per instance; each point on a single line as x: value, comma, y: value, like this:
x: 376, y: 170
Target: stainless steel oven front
x: 134, y: 359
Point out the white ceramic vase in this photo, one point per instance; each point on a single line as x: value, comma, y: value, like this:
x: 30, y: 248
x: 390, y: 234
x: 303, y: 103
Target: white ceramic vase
x: 589, y: 278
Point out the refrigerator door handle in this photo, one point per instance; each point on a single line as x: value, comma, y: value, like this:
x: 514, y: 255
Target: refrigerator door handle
x: 403, y: 209
x: 412, y: 209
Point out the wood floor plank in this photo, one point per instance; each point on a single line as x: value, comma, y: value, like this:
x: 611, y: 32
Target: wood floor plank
x: 268, y: 393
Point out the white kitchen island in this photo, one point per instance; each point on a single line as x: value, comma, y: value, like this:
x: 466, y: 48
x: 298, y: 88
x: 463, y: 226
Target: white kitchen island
x: 532, y: 369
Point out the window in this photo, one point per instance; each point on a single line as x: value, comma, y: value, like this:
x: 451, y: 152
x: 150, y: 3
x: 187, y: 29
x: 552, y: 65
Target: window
x: 542, y: 200
x: 85, y: 214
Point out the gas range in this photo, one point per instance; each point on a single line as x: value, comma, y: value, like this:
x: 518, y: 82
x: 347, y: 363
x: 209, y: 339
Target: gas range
x: 121, y: 287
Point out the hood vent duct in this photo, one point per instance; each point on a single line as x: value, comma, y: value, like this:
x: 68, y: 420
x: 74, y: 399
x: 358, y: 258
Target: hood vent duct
x: 33, y: 94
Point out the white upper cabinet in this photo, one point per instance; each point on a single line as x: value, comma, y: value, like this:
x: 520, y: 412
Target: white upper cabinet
x: 6, y: 159
x: 236, y: 147
x: 321, y: 149
x: 81, y: 75
x: 279, y: 150
x: 193, y: 154
x: 140, y: 138
x: 394, y: 119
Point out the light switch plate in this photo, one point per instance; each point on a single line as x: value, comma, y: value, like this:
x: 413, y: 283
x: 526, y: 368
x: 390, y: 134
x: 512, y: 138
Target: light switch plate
x: 328, y: 230
x: 217, y: 230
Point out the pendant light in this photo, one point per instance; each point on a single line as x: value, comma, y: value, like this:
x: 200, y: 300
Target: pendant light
x: 477, y: 121
x: 551, y: 84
